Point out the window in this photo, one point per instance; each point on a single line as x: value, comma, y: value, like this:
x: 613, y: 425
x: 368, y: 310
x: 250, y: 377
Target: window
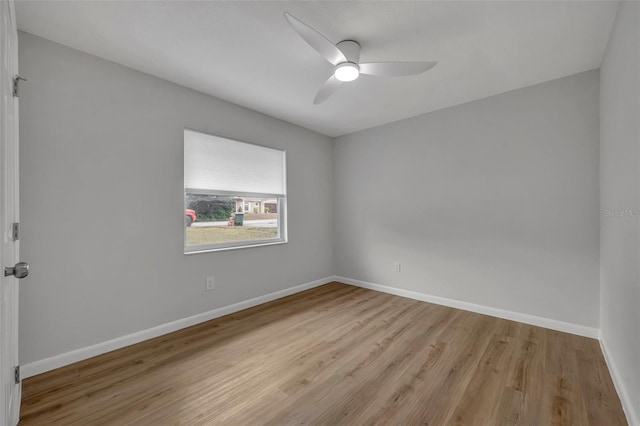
x: 234, y: 194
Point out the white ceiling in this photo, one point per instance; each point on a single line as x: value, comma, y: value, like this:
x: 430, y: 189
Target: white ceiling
x: 246, y: 52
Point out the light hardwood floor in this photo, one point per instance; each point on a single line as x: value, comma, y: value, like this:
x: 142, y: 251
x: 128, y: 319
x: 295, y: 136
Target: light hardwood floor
x: 335, y: 355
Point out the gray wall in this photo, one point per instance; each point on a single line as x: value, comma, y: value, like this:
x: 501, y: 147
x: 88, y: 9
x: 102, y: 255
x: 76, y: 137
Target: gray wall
x: 102, y: 204
x: 620, y: 190
x: 494, y: 202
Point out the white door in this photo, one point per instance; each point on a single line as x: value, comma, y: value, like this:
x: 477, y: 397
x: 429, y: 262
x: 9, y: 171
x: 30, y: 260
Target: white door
x: 9, y: 249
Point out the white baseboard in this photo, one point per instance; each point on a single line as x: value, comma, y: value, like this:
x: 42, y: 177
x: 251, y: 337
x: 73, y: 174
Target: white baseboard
x: 57, y: 361
x: 632, y: 417
x: 566, y: 327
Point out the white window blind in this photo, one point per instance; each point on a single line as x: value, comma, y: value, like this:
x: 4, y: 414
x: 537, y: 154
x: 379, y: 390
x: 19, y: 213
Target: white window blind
x: 217, y: 164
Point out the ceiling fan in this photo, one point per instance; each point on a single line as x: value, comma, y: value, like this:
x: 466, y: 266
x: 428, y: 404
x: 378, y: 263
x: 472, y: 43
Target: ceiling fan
x: 345, y: 56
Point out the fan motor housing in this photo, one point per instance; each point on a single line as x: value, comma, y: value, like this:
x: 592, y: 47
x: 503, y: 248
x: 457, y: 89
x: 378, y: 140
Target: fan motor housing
x: 351, y: 50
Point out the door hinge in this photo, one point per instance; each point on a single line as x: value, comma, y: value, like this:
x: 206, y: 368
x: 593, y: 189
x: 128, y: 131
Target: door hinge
x: 16, y: 85
x: 15, y: 231
x: 16, y: 374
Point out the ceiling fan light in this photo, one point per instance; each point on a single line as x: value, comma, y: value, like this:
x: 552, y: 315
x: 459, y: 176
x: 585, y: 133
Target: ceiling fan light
x: 347, y: 71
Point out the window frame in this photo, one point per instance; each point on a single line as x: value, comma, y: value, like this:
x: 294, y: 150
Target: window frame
x: 282, y: 237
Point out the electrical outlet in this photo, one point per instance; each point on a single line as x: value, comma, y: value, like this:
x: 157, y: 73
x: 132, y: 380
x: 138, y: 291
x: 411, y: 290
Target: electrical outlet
x: 396, y: 266
x: 211, y: 284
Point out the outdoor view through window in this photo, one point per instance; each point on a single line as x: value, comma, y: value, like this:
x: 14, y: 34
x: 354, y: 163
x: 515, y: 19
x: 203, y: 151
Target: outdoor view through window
x: 234, y: 193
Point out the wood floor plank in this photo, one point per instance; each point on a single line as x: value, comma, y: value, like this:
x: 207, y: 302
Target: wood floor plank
x: 596, y: 384
x: 441, y: 393
x: 523, y: 394
x: 481, y: 399
x: 336, y: 354
x: 514, y: 409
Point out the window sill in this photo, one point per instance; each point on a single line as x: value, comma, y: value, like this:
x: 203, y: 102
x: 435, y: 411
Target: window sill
x: 245, y: 246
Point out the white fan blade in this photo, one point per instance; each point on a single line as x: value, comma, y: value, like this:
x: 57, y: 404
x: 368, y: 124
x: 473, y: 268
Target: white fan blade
x: 327, y: 89
x: 316, y: 40
x: 395, y: 69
